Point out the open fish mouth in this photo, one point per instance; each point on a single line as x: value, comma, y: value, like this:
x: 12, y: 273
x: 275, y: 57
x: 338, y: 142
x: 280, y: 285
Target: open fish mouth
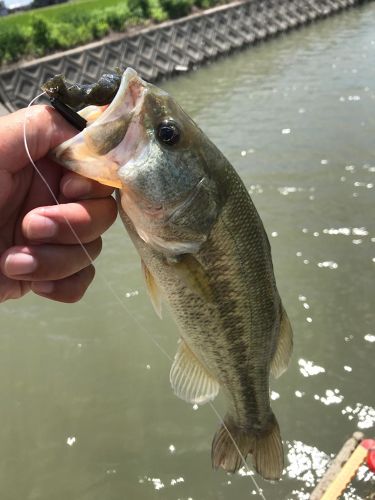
x: 108, y: 142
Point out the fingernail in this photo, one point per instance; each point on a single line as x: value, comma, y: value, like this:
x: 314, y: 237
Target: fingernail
x: 40, y: 227
x: 44, y: 287
x: 19, y: 263
x: 75, y: 187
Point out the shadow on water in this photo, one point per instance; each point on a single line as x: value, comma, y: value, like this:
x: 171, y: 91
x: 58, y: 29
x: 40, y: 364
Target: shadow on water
x: 87, y: 411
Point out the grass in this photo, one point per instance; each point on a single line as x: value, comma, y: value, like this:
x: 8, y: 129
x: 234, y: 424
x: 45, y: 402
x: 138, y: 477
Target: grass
x: 42, y: 31
x: 55, y: 13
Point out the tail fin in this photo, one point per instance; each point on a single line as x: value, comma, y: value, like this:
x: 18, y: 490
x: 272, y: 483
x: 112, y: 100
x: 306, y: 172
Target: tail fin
x: 266, y: 448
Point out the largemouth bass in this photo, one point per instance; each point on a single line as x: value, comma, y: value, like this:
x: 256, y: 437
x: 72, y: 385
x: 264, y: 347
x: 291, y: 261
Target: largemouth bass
x: 205, y: 251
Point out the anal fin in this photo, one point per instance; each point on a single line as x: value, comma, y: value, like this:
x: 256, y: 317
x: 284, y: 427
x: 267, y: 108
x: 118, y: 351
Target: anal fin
x: 152, y: 289
x: 284, y: 347
x: 190, y: 380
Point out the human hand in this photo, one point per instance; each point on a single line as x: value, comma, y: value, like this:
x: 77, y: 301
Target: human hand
x: 38, y: 251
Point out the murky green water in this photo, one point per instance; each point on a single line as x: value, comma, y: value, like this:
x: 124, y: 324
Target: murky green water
x: 86, y: 409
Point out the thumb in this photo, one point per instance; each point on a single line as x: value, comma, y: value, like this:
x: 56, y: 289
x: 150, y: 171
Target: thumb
x: 45, y: 129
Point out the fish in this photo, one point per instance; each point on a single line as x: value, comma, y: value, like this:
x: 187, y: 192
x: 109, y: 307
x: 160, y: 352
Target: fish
x: 204, y: 251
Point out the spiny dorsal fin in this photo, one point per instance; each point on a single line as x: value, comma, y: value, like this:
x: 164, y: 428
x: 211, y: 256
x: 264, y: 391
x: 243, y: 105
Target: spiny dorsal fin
x: 190, y: 380
x: 284, y: 347
x: 153, y: 289
x: 193, y: 275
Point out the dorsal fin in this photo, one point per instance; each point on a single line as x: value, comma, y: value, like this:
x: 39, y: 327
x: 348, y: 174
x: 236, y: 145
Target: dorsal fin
x: 190, y: 379
x: 284, y: 347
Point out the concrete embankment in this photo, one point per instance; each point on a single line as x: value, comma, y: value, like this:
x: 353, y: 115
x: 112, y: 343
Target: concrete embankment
x: 168, y: 48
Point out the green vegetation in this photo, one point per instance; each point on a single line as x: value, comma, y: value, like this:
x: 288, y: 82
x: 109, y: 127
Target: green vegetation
x: 41, y: 31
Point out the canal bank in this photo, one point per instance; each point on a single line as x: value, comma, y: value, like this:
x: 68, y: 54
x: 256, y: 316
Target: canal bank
x: 169, y: 48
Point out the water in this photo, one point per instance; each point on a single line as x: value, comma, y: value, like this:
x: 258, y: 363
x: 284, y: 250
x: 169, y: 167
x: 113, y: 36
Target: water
x: 86, y: 409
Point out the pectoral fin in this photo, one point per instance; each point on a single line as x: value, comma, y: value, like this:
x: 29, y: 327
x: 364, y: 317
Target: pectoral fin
x: 190, y: 380
x: 153, y: 289
x: 284, y: 347
x: 193, y: 275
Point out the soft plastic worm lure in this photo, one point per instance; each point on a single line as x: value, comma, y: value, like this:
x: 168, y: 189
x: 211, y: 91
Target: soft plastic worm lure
x: 79, y: 95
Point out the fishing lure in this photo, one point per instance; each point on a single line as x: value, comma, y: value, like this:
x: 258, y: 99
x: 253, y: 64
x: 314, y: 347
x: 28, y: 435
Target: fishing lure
x: 79, y: 95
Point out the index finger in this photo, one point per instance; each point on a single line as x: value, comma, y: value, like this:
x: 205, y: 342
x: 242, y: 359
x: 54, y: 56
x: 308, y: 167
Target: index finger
x: 45, y: 129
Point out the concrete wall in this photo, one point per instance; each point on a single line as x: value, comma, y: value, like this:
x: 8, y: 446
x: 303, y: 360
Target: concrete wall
x: 167, y: 48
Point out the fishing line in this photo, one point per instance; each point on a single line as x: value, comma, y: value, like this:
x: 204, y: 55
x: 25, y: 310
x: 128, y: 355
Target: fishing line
x: 117, y: 296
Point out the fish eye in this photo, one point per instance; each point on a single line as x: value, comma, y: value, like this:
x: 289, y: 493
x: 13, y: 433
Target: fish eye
x: 168, y: 132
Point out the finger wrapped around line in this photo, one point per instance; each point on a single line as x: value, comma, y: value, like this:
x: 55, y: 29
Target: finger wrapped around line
x: 54, y: 224
x: 48, y: 262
